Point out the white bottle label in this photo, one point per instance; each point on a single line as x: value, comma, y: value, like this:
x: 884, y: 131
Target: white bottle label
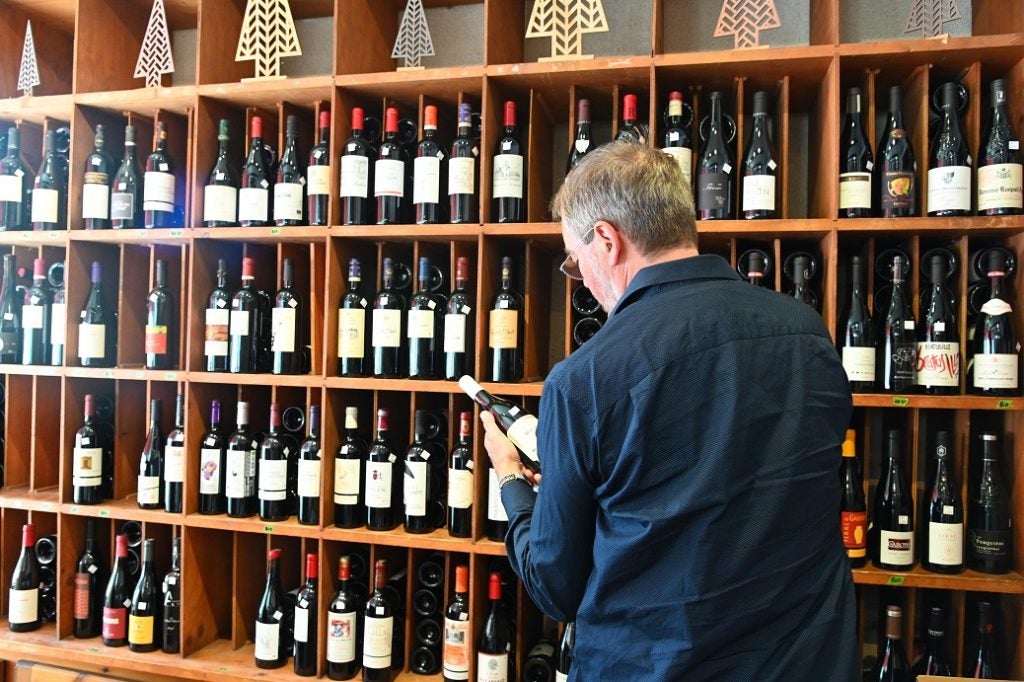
x: 387, y: 328
x: 92, y: 341
x: 897, y: 548
x: 999, y: 186
x: 389, y: 178
x: 240, y: 322
x: 461, y: 175
x: 949, y: 189
x: 95, y: 202
x: 414, y: 489
x: 420, y: 324
x: 149, y: 489
x: 268, y: 637
x: 355, y: 176
x: 23, y: 606
x: 523, y: 434
x: 491, y: 667
x: 10, y: 188
x: 209, y: 471
x: 346, y: 481
x: 273, y: 479
x: 854, y: 190
x: 58, y: 324
x: 759, y: 193
x: 996, y: 306
x: 495, y: 509
x: 996, y: 370
x: 454, y: 333
x: 456, y: 649
x: 684, y: 157
x: 318, y: 180
x: 253, y: 204
x: 287, y: 201
x: 426, y: 180
x: 174, y: 464
x: 308, y: 484
x: 282, y: 323
x: 235, y: 483
x: 44, y: 205
x: 158, y: 192
x: 508, y: 176
x: 218, y: 322
x: 32, y: 317
x: 351, y: 332
x: 938, y: 363
x: 378, y: 485
x: 377, y: 642
x: 341, y: 637
x: 859, y: 363
x: 946, y: 543
x: 88, y: 467
x: 460, y: 488
x: 561, y: 677
x: 220, y: 204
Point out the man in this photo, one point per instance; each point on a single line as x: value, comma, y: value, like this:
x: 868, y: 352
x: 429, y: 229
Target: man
x: 688, y: 515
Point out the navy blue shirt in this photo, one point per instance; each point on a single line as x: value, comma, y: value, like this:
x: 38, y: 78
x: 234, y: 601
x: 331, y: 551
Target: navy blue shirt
x: 688, y: 516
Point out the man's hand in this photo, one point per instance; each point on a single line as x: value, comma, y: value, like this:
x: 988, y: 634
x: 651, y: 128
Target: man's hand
x: 504, y: 455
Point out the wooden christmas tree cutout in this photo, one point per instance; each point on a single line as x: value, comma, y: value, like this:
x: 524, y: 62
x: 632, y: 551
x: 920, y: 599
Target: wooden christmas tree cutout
x: 28, y: 74
x: 565, y: 22
x: 929, y: 16
x: 413, y: 41
x: 155, y: 57
x: 268, y: 35
x: 745, y: 19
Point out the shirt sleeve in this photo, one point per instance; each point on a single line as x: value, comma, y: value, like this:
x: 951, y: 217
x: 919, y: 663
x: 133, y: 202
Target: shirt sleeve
x: 551, y: 533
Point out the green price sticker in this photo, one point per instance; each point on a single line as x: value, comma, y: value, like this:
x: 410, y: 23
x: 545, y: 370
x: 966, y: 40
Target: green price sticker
x: 94, y: 649
x: 74, y: 510
x: 53, y: 235
x: 895, y: 580
x: 1004, y: 404
x: 104, y: 512
x: 108, y: 374
x: 141, y: 234
x: 275, y: 231
x: 177, y: 233
x: 222, y: 669
x: 900, y: 401
x: 47, y: 506
x: 170, y: 376
x: 268, y: 529
x: 25, y: 236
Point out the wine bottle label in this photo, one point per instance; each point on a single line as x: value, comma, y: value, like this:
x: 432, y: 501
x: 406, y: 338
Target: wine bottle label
x: 239, y: 323
x: 378, y: 485
x: 414, y: 488
x: 351, y: 330
x: 235, y: 485
x: 148, y: 489
x: 174, y: 464
x: 115, y: 623
x: 901, y: 366
x: 491, y: 667
x: 58, y: 324
x: 140, y: 629
x: 996, y: 307
x: 938, y: 363
x: 420, y: 324
x: 896, y: 548
x: 456, y: 649
x: 254, y: 204
x: 282, y: 322
x: 288, y: 201
x: 44, y: 205
x: 996, y: 370
x: 859, y: 363
x: 503, y: 328
x: 389, y: 178
x: 759, y: 193
x: 899, y: 191
x: 426, y: 185
x: 83, y: 596
x: 854, y: 526
x: 990, y: 545
x: 156, y: 339
x: 158, y: 192
x: 318, y: 180
x: 32, y: 317
x: 220, y: 204
x: 712, y: 191
x: 308, y: 484
x: 945, y: 543
x: 999, y: 186
x: 949, y: 189
x: 495, y: 509
x: 684, y: 157
x: 92, y: 341
x: 377, y: 639
x: 273, y: 479
x: 355, y: 176
x: 88, y: 467
x: 218, y: 323
x: 209, y: 471
x: 10, y: 188
x: 507, y: 177
x: 854, y: 190
x: 462, y: 175
x: 301, y: 624
x: 346, y: 481
x: 460, y: 488
x: 561, y: 677
x: 455, y: 333
x: 122, y: 206
x: 341, y: 637
x: 23, y: 606
x: 268, y: 641
x: 523, y: 434
x: 387, y: 328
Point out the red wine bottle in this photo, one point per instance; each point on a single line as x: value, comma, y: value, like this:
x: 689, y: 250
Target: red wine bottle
x: 716, y: 173
x: 677, y: 142
x: 117, y: 597
x: 430, y: 173
x: 416, y: 481
x: 457, y: 637
x: 244, y: 328
x: 853, y: 510
x: 318, y: 175
x: 505, y: 329
x: 990, y: 521
x: 89, y: 576
x: 801, y: 281
x: 212, y: 466
x: 288, y: 324
x: 582, y: 142
x: 383, y: 491
x: 10, y: 313
x: 379, y: 625
x: 170, y: 635
x: 308, y: 484
x: 15, y: 186
x: 933, y: 660
x: 174, y: 461
x: 161, y: 323
x: 270, y: 651
x: 142, y: 614
x: 35, y: 318
x: 349, y: 511
x: 496, y: 527
x: 97, y: 333
x: 357, y: 157
x: 539, y: 663
x: 460, y: 481
x: 151, y: 466
x: 519, y: 425
x: 23, y: 597
x: 463, y: 169
x: 343, y: 627
x: 126, y: 195
x: 858, y: 345
x: 390, y: 175
x: 352, y: 337
x: 220, y: 196
x: 458, y: 324
x: 216, y: 345
x: 982, y: 663
x: 159, y: 185
x: 240, y: 471
x: 422, y: 323
x: 938, y: 346
x: 306, y: 631
x: 495, y: 642
x: 508, y: 180
x: 897, y: 345
x: 254, y: 195
x: 388, y: 313
x: 996, y: 369
x: 891, y: 531
x: 759, y: 166
x: 999, y: 167
x: 273, y: 472
x: 290, y: 181
x: 50, y: 192
x: 58, y: 317
x: 944, y: 521
x: 856, y: 162
x: 949, y: 163
x: 631, y: 130
x: 87, y: 472
x: 891, y: 664
x: 895, y: 193
x: 99, y: 171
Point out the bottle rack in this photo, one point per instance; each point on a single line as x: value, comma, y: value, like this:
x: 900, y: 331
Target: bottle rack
x: 86, y: 49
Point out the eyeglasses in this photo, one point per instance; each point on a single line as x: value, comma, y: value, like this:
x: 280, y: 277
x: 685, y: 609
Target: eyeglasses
x: 570, y: 267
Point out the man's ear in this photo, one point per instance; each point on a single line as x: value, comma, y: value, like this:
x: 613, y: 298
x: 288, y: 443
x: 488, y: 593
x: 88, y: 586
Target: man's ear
x: 610, y: 246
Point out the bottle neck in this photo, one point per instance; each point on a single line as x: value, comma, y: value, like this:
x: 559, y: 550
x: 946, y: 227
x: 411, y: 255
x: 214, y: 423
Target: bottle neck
x: 222, y: 149
x: 325, y: 135
x: 996, y: 284
x: 129, y: 153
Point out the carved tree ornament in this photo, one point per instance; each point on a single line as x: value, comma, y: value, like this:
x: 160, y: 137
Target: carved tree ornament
x: 565, y: 22
x: 268, y: 34
x: 929, y: 16
x: 155, y: 58
x: 745, y: 19
x: 413, y: 41
x: 28, y: 74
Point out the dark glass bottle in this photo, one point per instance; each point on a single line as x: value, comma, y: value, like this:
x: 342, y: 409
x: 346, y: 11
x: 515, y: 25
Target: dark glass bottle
x: 496, y: 527
x: 161, y: 323
x: 990, y: 519
x: 565, y: 652
x: 458, y: 324
x: 949, y: 163
x: 944, y: 521
x: 519, y: 425
x: 174, y: 460
x: 631, y: 130
x: 220, y: 196
x: 897, y: 343
x: 508, y: 180
x: 505, y: 329
x: 895, y: 182
x: 87, y: 471
x: 539, y: 664
x: 424, y: 328
x: 388, y: 327
x: 349, y: 511
x: 416, y: 484
x: 270, y: 650
x: 50, y: 191
x: 858, y: 345
x: 240, y: 471
x: 933, y: 660
x: 357, y: 157
x: 99, y: 172
x: 143, y: 615
x: 306, y: 632
x: 460, y: 481
x: 856, y: 162
x: 457, y: 636
x: 853, y: 509
x: 89, y: 580
x: 10, y: 313
x: 716, y: 175
x: 318, y: 175
x: 344, y: 627
x: 273, y: 472
x: 126, y: 196
x: 288, y: 322
x: 982, y: 663
x: 756, y: 269
x: 308, y: 484
x: 391, y: 175
x: 23, y: 597
x: 463, y: 171
x: 15, y: 186
x: 254, y: 195
x: 996, y: 364
x: 938, y: 345
x: 583, y: 140
x: 496, y: 637
x: 759, y: 166
x: 36, y: 310
x: 171, y: 617
x: 58, y: 319
x: 352, y: 336
x: 289, y: 198
x: 159, y: 185
x: 244, y: 328
x: 378, y: 629
x: 677, y: 142
x: 801, y: 281
x: 891, y: 531
x: 97, y: 331
x: 430, y: 173
x: 383, y: 488
x: 999, y: 165
x: 212, y: 465
x: 891, y: 664
x: 117, y: 597
x: 150, y: 491
x: 216, y: 345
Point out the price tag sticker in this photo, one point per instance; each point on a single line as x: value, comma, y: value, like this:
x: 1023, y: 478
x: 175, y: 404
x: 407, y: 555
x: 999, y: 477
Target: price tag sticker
x: 275, y: 231
x: 94, y: 649
x: 303, y: 603
x: 268, y: 529
x: 177, y: 233
x: 895, y: 580
x: 143, y: 605
x: 108, y: 374
x: 92, y: 569
x: 1004, y: 404
x: 380, y: 610
x: 127, y: 603
x: 900, y: 401
x: 222, y: 669
x: 104, y: 512
x: 278, y: 615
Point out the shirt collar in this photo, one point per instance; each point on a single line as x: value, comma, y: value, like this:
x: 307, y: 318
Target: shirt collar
x: 691, y: 269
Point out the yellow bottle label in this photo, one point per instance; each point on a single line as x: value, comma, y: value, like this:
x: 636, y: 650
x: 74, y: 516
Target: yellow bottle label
x: 140, y: 629
x: 504, y: 328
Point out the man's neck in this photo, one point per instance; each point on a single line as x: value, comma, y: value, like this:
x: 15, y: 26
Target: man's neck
x: 638, y: 262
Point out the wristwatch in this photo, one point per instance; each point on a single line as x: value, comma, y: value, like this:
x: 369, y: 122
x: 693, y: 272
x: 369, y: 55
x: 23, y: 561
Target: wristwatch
x: 508, y: 478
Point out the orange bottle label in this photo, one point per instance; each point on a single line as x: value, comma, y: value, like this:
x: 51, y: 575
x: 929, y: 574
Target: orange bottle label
x: 854, y: 524
x: 156, y: 339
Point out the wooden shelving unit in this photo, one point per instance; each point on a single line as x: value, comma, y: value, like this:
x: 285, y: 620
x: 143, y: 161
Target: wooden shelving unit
x: 87, y: 49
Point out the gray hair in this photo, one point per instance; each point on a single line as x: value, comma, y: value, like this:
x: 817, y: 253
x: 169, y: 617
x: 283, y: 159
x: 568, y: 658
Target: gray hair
x: 639, y: 190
